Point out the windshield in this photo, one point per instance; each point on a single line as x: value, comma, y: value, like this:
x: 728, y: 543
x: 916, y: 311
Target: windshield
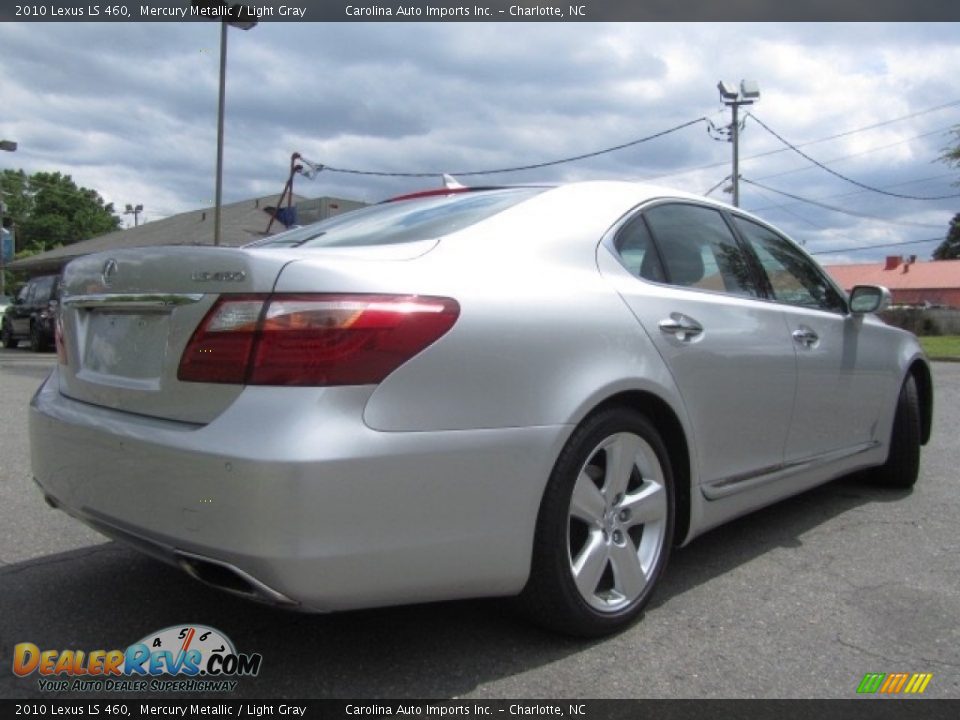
x: 403, y: 221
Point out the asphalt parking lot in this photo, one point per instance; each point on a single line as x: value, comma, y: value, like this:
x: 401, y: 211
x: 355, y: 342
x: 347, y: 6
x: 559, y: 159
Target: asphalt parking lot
x: 798, y: 600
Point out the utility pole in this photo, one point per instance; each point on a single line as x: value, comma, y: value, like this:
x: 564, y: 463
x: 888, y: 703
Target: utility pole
x: 3, y: 250
x: 7, y: 146
x: 748, y: 94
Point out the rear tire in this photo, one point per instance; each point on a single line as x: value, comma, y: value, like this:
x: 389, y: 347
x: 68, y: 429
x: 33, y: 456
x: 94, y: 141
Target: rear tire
x: 903, y: 463
x: 6, y: 337
x: 605, y: 527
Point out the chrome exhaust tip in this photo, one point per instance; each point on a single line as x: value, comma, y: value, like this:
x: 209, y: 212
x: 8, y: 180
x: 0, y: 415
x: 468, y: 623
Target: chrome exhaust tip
x: 229, y: 578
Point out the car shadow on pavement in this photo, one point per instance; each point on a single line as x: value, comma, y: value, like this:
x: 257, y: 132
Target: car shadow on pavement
x: 781, y: 525
x: 108, y: 597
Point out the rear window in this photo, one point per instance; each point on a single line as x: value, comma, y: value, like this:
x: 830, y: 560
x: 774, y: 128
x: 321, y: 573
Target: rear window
x: 407, y: 220
x: 42, y: 289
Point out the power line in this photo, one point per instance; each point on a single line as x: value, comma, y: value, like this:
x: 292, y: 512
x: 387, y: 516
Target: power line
x: 844, y: 177
x: 858, y: 154
x: 534, y: 166
x: 783, y: 207
x: 707, y: 193
x: 834, y: 208
x: 875, y: 247
x: 882, y: 123
x: 860, y: 192
x: 874, y: 126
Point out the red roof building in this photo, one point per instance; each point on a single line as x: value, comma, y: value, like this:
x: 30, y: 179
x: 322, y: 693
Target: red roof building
x: 910, y: 282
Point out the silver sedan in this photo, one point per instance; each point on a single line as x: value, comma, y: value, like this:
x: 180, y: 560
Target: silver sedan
x: 531, y: 391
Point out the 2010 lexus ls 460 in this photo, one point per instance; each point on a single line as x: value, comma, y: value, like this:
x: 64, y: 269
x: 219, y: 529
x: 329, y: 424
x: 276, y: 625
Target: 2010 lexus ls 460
x: 531, y: 391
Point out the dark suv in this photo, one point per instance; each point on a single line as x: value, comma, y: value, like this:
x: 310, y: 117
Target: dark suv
x: 32, y: 316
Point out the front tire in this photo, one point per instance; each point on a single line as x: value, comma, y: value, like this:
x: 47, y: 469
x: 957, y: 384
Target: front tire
x: 6, y: 337
x: 37, y: 343
x: 903, y: 464
x: 605, y: 527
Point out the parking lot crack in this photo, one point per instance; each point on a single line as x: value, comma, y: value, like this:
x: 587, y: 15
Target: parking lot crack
x: 34, y: 564
x: 890, y: 660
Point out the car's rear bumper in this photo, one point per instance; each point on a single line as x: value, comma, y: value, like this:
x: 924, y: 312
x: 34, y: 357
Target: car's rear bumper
x: 289, y: 492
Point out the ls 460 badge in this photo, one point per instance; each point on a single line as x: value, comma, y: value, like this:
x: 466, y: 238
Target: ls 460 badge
x: 221, y: 276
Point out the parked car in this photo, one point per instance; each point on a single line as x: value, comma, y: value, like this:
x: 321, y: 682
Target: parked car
x: 32, y: 314
x: 532, y: 391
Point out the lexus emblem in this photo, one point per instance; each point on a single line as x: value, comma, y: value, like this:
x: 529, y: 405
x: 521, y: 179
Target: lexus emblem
x: 109, y: 270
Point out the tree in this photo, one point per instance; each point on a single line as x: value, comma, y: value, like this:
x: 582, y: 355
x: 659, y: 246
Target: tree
x: 49, y: 210
x: 951, y: 155
x: 949, y: 249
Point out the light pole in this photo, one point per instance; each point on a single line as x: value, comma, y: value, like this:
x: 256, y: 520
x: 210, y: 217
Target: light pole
x: 236, y: 10
x: 9, y: 146
x: 239, y: 16
x: 134, y: 210
x: 748, y: 94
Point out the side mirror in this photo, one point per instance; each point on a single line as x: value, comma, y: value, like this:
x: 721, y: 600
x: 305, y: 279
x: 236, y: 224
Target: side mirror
x: 18, y: 300
x: 869, y: 299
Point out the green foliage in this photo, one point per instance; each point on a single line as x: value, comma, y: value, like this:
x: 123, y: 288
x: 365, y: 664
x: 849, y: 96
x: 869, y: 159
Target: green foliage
x: 949, y: 249
x: 49, y: 209
x: 945, y: 346
x: 951, y: 155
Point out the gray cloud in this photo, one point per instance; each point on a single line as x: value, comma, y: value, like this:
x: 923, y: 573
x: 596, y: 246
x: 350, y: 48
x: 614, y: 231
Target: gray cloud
x: 131, y: 109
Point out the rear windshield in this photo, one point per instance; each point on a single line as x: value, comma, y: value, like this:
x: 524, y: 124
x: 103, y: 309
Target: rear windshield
x: 405, y: 220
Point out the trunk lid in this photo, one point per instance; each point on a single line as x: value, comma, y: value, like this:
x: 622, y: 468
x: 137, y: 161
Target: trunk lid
x: 128, y: 315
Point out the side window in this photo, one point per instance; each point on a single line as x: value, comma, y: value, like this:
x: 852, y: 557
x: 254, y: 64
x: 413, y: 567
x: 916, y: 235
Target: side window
x: 794, y: 278
x: 699, y: 250
x: 635, y: 247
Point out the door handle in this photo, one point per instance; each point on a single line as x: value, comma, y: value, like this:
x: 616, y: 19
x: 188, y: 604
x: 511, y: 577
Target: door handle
x: 805, y: 336
x: 680, y: 326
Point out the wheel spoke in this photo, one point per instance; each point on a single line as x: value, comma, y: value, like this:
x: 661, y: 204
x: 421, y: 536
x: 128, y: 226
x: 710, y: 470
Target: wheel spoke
x: 621, y: 459
x: 647, y: 505
x: 628, y: 575
x: 589, y: 565
x: 587, y: 503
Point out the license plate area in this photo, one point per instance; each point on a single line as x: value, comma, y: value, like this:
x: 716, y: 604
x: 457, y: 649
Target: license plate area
x: 126, y: 345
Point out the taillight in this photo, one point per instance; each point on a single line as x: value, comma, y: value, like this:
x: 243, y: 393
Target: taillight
x: 58, y: 340
x: 312, y: 339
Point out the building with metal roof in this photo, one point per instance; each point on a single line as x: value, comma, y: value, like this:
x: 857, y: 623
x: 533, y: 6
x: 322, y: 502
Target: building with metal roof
x: 910, y: 282
x: 241, y: 223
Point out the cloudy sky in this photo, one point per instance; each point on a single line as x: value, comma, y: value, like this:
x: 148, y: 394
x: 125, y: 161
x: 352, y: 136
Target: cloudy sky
x: 130, y: 110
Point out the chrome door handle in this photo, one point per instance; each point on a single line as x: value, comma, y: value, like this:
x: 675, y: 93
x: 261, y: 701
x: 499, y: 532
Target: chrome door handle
x: 805, y: 336
x: 680, y: 326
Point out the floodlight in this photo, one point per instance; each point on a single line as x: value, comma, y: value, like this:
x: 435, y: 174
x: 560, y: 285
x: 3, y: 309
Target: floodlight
x: 749, y: 89
x: 728, y: 91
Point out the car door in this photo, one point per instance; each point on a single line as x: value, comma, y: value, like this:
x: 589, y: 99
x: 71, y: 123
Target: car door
x: 695, y: 292
x: 842, y: 375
